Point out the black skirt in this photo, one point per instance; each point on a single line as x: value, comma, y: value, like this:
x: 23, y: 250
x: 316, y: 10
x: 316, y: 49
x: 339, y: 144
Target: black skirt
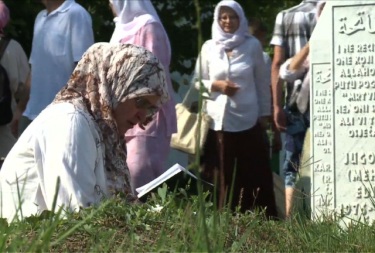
x: 238, y: 164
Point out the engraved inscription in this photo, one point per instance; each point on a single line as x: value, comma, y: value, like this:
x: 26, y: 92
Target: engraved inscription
x: 343, y: 112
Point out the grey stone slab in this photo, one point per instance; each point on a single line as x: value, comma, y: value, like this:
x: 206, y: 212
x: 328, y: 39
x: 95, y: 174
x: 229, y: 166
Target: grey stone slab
x: 342, y: 104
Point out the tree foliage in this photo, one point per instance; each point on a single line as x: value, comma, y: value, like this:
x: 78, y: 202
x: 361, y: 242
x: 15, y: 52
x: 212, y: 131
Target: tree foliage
x: 178, y: 17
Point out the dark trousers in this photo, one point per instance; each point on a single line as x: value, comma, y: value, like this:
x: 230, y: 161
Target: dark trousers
x: 246, y: 154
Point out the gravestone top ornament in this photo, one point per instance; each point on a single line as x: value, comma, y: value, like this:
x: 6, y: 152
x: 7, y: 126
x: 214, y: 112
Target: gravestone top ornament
x: 342, y: 109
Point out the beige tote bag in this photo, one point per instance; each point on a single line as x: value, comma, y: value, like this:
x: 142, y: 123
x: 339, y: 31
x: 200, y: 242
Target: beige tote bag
x: 188, y: 132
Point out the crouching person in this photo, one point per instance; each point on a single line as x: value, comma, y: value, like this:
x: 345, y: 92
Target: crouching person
x: 78, y: 139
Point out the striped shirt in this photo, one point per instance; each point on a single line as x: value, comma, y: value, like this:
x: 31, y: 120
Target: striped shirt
x: 293, y: 27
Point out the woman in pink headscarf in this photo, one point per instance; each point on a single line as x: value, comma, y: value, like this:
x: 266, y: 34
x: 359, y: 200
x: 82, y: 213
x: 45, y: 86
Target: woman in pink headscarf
x: 138, y: 23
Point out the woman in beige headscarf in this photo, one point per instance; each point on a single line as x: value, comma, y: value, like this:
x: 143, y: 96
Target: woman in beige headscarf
x: 138, y: 23
x: 78, y: 139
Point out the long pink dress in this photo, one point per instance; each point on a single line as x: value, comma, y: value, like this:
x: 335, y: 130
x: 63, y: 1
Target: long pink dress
x: 147, y: 150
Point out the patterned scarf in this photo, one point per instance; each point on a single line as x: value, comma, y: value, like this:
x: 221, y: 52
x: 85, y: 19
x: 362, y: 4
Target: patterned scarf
x: 106, y: 75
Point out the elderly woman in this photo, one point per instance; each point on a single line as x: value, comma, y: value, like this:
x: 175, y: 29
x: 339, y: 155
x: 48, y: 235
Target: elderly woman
x: 78, y: 139
x: 233, y: 71
x: 138, y: 23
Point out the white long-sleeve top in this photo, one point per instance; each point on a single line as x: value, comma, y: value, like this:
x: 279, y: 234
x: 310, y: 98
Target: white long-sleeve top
x: 247, y: 69
x: 62, y: 142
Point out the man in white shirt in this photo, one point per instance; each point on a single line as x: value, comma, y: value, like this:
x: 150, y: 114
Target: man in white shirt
x: 62, y: 33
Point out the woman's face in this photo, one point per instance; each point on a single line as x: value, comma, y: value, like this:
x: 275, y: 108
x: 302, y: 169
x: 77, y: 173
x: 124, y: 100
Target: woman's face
x: 228, y: 20
x: 135, y: 111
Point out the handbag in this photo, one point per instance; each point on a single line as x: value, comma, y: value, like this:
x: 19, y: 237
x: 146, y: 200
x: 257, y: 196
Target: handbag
x: 190, y: 135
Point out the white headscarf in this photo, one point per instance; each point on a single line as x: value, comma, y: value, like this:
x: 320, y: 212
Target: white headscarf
x: 228, y: 40
x: 132, y: 16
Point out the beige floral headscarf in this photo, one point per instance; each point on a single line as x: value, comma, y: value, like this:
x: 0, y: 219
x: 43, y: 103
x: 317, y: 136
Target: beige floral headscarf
x: 106, y: 75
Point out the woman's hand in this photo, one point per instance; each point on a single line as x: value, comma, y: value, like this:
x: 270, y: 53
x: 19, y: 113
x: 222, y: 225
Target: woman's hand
x: 226, y: 87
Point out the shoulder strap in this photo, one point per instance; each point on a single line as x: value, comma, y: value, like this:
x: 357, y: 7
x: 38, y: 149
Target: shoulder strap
x: 3, y: 45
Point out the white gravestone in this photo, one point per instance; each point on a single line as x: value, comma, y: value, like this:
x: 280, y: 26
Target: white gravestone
x: 342, y: 104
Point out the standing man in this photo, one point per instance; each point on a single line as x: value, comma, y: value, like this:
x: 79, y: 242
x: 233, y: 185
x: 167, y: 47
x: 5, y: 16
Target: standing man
x: 62, y: 33
x: 293, y: 28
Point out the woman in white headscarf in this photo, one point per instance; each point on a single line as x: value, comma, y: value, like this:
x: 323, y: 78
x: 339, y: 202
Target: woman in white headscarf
x: 138, y: 23
x: 78, y: 139
x: 234, y: 73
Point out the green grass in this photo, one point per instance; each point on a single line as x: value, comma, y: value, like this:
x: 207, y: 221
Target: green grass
x: 179, y: 226
x: 184, y: 224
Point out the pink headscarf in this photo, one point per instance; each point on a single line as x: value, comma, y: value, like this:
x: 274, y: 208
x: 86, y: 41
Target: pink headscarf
x: 4, y: 16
